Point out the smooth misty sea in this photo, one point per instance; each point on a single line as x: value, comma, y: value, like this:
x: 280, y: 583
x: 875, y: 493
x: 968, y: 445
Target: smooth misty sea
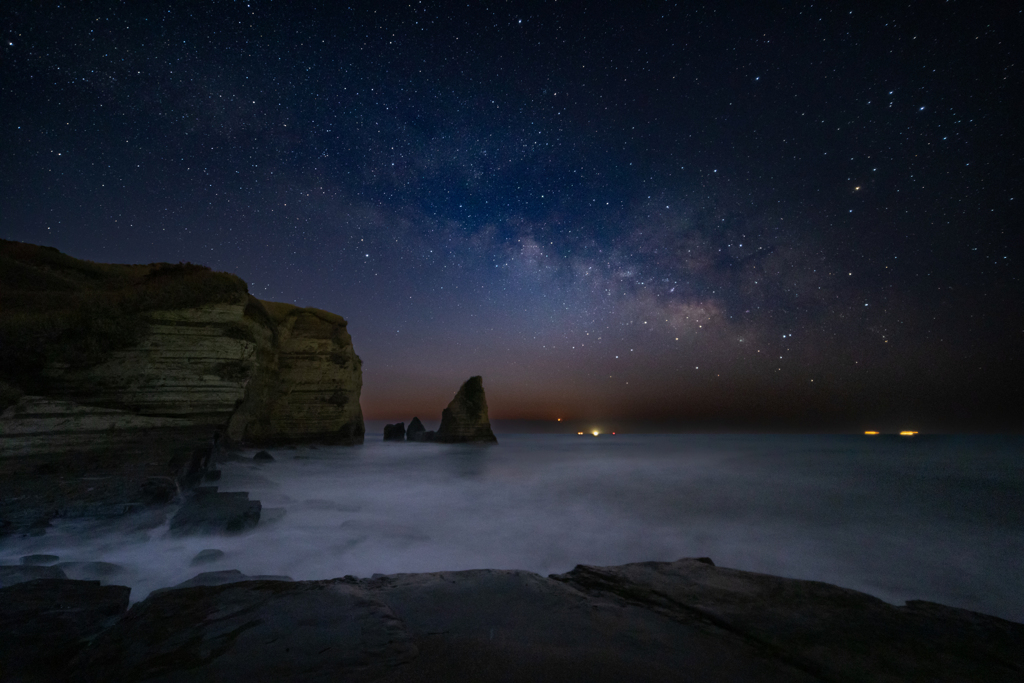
x: 938, y: 518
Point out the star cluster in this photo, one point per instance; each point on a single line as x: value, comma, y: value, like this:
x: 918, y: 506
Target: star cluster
x: 733, y: 216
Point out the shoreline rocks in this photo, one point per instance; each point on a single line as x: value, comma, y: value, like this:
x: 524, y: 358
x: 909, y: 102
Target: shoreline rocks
x: 651, y: 621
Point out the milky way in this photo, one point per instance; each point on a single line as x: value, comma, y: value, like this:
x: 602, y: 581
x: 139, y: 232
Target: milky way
x: 727, y: 217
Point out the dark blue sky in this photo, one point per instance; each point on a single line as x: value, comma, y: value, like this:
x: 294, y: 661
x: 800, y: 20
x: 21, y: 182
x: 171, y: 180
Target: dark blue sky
x: 733, y: 216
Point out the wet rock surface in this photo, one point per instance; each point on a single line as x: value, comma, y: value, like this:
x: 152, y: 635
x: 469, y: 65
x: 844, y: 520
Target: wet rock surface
x: 252, y: 631
x: 46, y: 622
x: 227, y: 576
x: 208, y: 512
x: 12, y: 574
x: 654, y: 621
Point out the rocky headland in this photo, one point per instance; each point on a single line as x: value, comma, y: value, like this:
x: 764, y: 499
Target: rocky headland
x: 654, y: 621
x: 118, y: 382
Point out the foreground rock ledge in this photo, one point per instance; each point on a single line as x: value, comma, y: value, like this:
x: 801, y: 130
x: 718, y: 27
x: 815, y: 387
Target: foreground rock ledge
x: 654, y: 621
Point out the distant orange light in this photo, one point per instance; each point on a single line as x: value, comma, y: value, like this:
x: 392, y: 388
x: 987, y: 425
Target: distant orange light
x: 595, y: 432
x: 907, y: 433
x: 871, y: 433
x: 580, y: 433
x: 559, y: 419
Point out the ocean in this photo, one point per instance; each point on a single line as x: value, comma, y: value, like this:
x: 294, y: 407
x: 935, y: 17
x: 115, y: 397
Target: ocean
x: 938, y: 518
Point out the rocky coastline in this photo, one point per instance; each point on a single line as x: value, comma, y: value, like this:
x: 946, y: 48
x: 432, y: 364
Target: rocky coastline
x: 123, y: 387
x: 119, y: 383
x: 651, y: 621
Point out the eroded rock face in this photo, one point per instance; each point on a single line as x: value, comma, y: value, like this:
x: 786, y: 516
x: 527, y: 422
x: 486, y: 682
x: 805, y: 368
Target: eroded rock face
x: 310, y: 390
x: 129, y: 371
x: 465, y: 419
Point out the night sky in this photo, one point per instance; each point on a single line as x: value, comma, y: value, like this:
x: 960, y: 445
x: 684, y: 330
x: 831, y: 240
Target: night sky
x: 641, y: 215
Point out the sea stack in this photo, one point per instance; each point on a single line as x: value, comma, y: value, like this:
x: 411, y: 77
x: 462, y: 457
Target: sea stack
x: 465, y: 419
x: 394, y: 432
x: 416, y: 430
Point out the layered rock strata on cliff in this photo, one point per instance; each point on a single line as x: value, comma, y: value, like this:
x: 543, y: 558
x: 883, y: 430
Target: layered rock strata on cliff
x: 119, y: 370
x: 465, y: 419
x: 93, y: 354
x: 652, y: 621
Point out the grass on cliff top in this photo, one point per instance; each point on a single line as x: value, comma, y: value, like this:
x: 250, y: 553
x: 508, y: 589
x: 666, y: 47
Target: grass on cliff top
x: 59, y: 309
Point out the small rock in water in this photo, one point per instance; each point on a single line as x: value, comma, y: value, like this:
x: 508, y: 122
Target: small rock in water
x: 209, y: 512
x: 415, y: 431
x: 40, y: 560
x: 263, y: 456
x: 268, y: 515
x: 12, y: 574
x: 395, y: 432
x: 228, y: 576
x: 90, y: 571
x: 207, y: 556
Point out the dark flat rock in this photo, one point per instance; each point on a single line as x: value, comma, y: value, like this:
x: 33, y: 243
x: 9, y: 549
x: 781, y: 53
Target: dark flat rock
x: 263, y: 456
x: 833, y: 633
x: 251, y: 631
x: 44, y: 623
x: 17, y: 573
x: 224, y: 576
x: 91, y: 571
x: 40, y: 560
x: 655, y: 621
x: 210, y: 512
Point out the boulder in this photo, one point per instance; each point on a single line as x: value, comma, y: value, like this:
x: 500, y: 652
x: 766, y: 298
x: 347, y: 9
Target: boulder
x: 40, y: 560
x: 394, y: 432
x: 209, y: 512
x: 44, y: 623
x: 263, y: 456
x: 465, y: 419
x: 416, y: 429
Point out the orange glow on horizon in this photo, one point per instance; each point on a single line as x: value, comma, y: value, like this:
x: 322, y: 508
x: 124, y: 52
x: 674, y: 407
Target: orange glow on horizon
x: 871, y: 433
x: 907, y: 433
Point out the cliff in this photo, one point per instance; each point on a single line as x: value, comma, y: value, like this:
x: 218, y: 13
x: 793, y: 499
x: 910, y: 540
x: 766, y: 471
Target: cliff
x: 128, y: 366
